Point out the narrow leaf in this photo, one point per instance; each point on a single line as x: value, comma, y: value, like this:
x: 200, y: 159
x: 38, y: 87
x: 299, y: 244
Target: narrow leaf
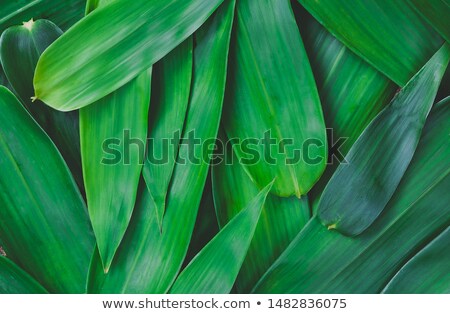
x: 129, y: 37
x: 170, y: 98
x: 20, y: 49
x: 148, y: 260
x: 390, y: 35
x: 14, y: 280
x: 215, y: 268
x: 427, y: 272
x: 324, y: 261
x: 272, y: 100
x: 360, y: 189
x: 281, y: 218
x: 45, y: 228
x: 436, y: 12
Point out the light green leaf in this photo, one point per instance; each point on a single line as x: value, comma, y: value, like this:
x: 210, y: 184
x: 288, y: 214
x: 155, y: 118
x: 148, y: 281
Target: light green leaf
x: 281, y: 218
x: 360, y: 188
x: 215, y: 268
x: 171, y: 89
x: 14, y: 280
x: 20, y: 49
x: 427, y: 272
x: 45, y: 228
x: 272, y: 89
x: 148, y: 260
x: 390, y: 35
x: 324, y: 261
x: 123, y: 39
x: 437, y: 13
x: 351, y: 91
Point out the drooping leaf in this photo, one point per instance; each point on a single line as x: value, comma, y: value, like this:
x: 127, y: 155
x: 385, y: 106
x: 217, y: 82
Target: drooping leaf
x: 272, y: 100
x: 281, y: 218
x: 113, y: 134
x: 427, y: 272
x: 437, y: 13
x: 390, y: 35
x: 360, y: 189
x: 324, y: 261
x: 352, y: 92
x: 171, y: 89
x: 61, y: 12
x: 148, y: 260
x: 215, y: 268
x: 20, y: 49
x: 45, y: 229
x: 123, y: 39
x: 14, y: 280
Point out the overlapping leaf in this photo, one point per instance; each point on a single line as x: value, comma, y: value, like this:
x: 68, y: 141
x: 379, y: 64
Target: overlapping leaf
x: 215, y: 268
x: 113, y: 45
x: 272, y: 102
x: 45, y: 228
x: 360, y: 189
x: 14, y: 280
x: 436, y: 12
x: 148, y: 259
x: 171, y: 89
x: 324, y: 261
x: 390, y: 35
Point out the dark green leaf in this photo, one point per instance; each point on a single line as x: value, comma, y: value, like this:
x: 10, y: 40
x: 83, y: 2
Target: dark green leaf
x: 14, y: 280
x: 437, y: 13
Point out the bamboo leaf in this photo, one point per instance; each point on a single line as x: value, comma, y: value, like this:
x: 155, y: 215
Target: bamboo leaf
x: 215, y: 268
x: 427, y: 272
x: 171, y: 89
x: 14, y: 280
x: 45, y: 229
x: 115, y: 125
x: 281, y: 218
x: 324, y: 261
x: 272, y: 94
x: 352, y: 92
x: 67, y: 75
x: 390, y: 35
x: 360, y: 189
x: 148, y: 260
x: 20, y: 49
x: 436, y: 12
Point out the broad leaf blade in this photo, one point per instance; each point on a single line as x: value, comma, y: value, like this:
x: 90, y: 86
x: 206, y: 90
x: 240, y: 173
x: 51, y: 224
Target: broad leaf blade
x: 281, y: 218
x: 437, y: 13
x: 20, y: 49
x: 151, y: 266
x: 427, y: 272
x: 324, y: 261
x: 272, y: 98
x: 215, y: 268
x: 14, y: 280
x: 360, y: 189
x: 390, y: 35
x: 170, y: 98
x: 116, y: 39
x: 45, y: 228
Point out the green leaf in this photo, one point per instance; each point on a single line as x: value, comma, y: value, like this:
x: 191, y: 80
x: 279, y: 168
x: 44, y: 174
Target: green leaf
x: 271, y: 93
x: 129, y: 37
x: 171, y: 89
x: 113, y: 134
x: 324, y: 261
x: 45, y: 229
x: 427, y: 272
x: 390, y: 35
x: 281, y: 218
x: 14, y: 280
x: 20, y: 48
x: 352, y: 92
x: 215, y: 268
x: 61, y: 12
x: 436, y: 12
x: 360, y: 188
x: 148, y: 260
